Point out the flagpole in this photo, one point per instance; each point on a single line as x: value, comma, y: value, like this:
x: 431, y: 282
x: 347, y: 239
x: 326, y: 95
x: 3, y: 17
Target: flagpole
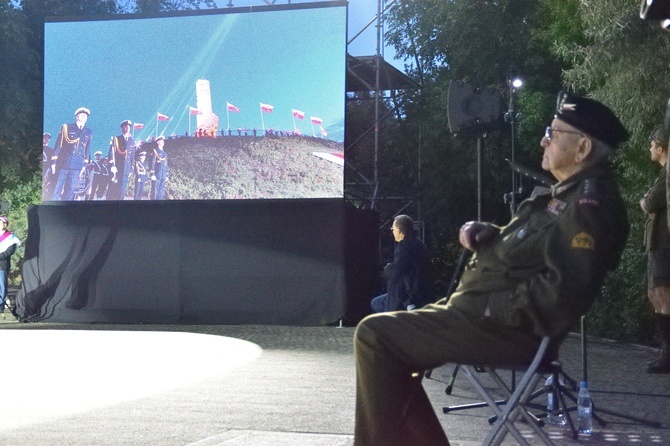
x: 228, y: 116
x: 295, y: 129
x: 313, y: 135
x: 262, y: 120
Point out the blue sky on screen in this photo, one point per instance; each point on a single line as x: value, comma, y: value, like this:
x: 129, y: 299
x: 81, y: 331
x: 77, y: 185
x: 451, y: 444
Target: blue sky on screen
x: 136, y: 68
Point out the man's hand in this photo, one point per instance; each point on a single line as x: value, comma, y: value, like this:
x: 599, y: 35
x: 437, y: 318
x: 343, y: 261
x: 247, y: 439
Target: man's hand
x: 474, y: 234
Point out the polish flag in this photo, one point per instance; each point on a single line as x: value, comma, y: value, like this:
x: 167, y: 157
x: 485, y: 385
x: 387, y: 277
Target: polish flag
x: 324, y: 133
x: 298, y: 114
x: 138, y: 126
x: 232, y: 108
x: 315, y: 120
x: 162, y: 117
x: 191, y: 111
x: 267, y: 108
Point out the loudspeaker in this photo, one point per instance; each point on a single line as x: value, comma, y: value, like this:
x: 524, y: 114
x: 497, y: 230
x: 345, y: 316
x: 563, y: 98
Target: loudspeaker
x: 472, y: 107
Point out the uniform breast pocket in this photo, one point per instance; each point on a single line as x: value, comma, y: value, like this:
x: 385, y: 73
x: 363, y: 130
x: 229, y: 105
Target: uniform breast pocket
x: 523, y: 246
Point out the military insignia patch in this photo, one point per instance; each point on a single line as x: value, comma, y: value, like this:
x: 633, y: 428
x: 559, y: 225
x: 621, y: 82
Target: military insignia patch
x: 583, y: 240
x: 556, y: 206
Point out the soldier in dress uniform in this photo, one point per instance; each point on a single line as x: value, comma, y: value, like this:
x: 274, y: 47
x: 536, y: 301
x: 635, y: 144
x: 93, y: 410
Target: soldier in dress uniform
x: 121, y: 157
x: 140, y: 174
x: 159, y: 170
x: 99, y: 177
x: 70, y: 155
x: 529, y: 279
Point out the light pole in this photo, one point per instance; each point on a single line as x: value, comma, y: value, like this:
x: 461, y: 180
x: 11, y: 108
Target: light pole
x: 512, y: 117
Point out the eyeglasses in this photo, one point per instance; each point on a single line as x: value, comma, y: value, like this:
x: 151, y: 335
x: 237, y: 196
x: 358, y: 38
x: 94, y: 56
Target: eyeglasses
x: 549, y: 132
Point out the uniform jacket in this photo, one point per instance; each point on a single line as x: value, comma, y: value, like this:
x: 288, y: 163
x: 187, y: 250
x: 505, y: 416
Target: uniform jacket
x: 409, y: 275
x: 656, y: 234
x: 546, y: 267
x: 122, y: 153
x: 72, y: 147
x: 159, y: 164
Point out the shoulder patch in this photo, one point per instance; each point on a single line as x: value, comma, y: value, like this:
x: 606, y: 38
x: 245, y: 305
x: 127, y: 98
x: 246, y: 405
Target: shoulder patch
x: 588, y: 201
x: 583, y: 240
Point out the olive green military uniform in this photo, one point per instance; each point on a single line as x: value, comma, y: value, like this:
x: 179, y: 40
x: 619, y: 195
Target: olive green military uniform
x: 657, y: 235
x: 540, y: 273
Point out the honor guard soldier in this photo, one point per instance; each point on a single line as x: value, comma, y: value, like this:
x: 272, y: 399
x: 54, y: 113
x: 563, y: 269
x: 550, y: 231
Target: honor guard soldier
x: 100, y: 177
x: 121, y: 156
x: 532, y: 278
x: 70, y: 155
x: 159, y: 168
x: 140, y: 175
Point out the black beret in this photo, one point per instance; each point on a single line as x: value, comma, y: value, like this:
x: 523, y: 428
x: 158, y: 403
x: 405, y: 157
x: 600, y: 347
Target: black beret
x: 591, y: 117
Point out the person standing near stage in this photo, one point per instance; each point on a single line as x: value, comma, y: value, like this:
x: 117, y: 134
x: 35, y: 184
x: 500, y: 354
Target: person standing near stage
x: 140, y: 174
x: 159, y: 169
x: 70, y: 155
x: 409, y: 278
x: 8, y: 244
x: 657, y: 244
x: 121, y: 157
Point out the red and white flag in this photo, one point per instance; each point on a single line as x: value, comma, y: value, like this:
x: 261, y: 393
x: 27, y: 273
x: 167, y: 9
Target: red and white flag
x: 191, y: 111
x: 162, y: 117
x: 138, y: 125
x: 324, y: 133
x: 267, y: 108
x: 298, y: 114
x: 232, y: 108
x: 315, y: 120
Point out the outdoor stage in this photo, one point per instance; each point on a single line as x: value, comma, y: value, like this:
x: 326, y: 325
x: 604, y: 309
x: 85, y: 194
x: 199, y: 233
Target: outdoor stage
x: 291, y: 262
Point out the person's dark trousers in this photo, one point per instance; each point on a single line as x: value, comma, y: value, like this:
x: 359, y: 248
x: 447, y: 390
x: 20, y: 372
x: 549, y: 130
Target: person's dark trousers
x: 662, y: 363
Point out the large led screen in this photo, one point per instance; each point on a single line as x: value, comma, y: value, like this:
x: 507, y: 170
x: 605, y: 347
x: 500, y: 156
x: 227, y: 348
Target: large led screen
x: 237, y: 103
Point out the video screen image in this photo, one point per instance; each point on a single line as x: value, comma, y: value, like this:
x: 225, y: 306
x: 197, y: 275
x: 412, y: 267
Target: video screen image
x: 223, y: 104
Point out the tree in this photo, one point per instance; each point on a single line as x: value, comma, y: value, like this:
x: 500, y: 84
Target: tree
x: 482, y: 43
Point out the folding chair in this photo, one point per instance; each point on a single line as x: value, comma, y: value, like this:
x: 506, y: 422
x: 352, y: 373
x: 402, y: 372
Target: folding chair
x: 507, y: 414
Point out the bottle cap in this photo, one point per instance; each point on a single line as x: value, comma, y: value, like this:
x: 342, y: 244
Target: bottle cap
x: 583, y: 384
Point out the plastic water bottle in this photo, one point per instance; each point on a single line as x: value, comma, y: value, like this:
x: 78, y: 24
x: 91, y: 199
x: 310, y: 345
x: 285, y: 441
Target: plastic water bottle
x: 554, y: 417
x: 584, y: 410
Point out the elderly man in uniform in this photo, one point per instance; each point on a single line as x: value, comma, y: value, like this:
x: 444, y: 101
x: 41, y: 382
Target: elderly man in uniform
x: 121, y: 157
x: 70, y: 155
x: 531, y: 278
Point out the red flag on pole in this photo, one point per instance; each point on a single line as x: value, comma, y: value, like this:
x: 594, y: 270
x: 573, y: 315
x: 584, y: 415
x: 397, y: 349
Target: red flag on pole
x: 191, y: 111
x: 267, y: 108
x: 298, y: 114
x: 162, y: 117
x: 315, y: 120
x: 232, y: 108
x: 138, y: 125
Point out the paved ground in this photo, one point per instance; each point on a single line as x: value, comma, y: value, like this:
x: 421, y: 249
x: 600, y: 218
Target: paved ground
x: 257, y: 385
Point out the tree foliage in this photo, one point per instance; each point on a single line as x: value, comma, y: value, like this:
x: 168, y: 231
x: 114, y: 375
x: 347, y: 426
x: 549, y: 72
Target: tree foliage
x: 599, y: 49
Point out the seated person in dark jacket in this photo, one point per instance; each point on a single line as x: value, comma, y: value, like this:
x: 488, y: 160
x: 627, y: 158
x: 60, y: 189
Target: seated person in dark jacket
x: 410, y: 282
x: 533, y: 277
